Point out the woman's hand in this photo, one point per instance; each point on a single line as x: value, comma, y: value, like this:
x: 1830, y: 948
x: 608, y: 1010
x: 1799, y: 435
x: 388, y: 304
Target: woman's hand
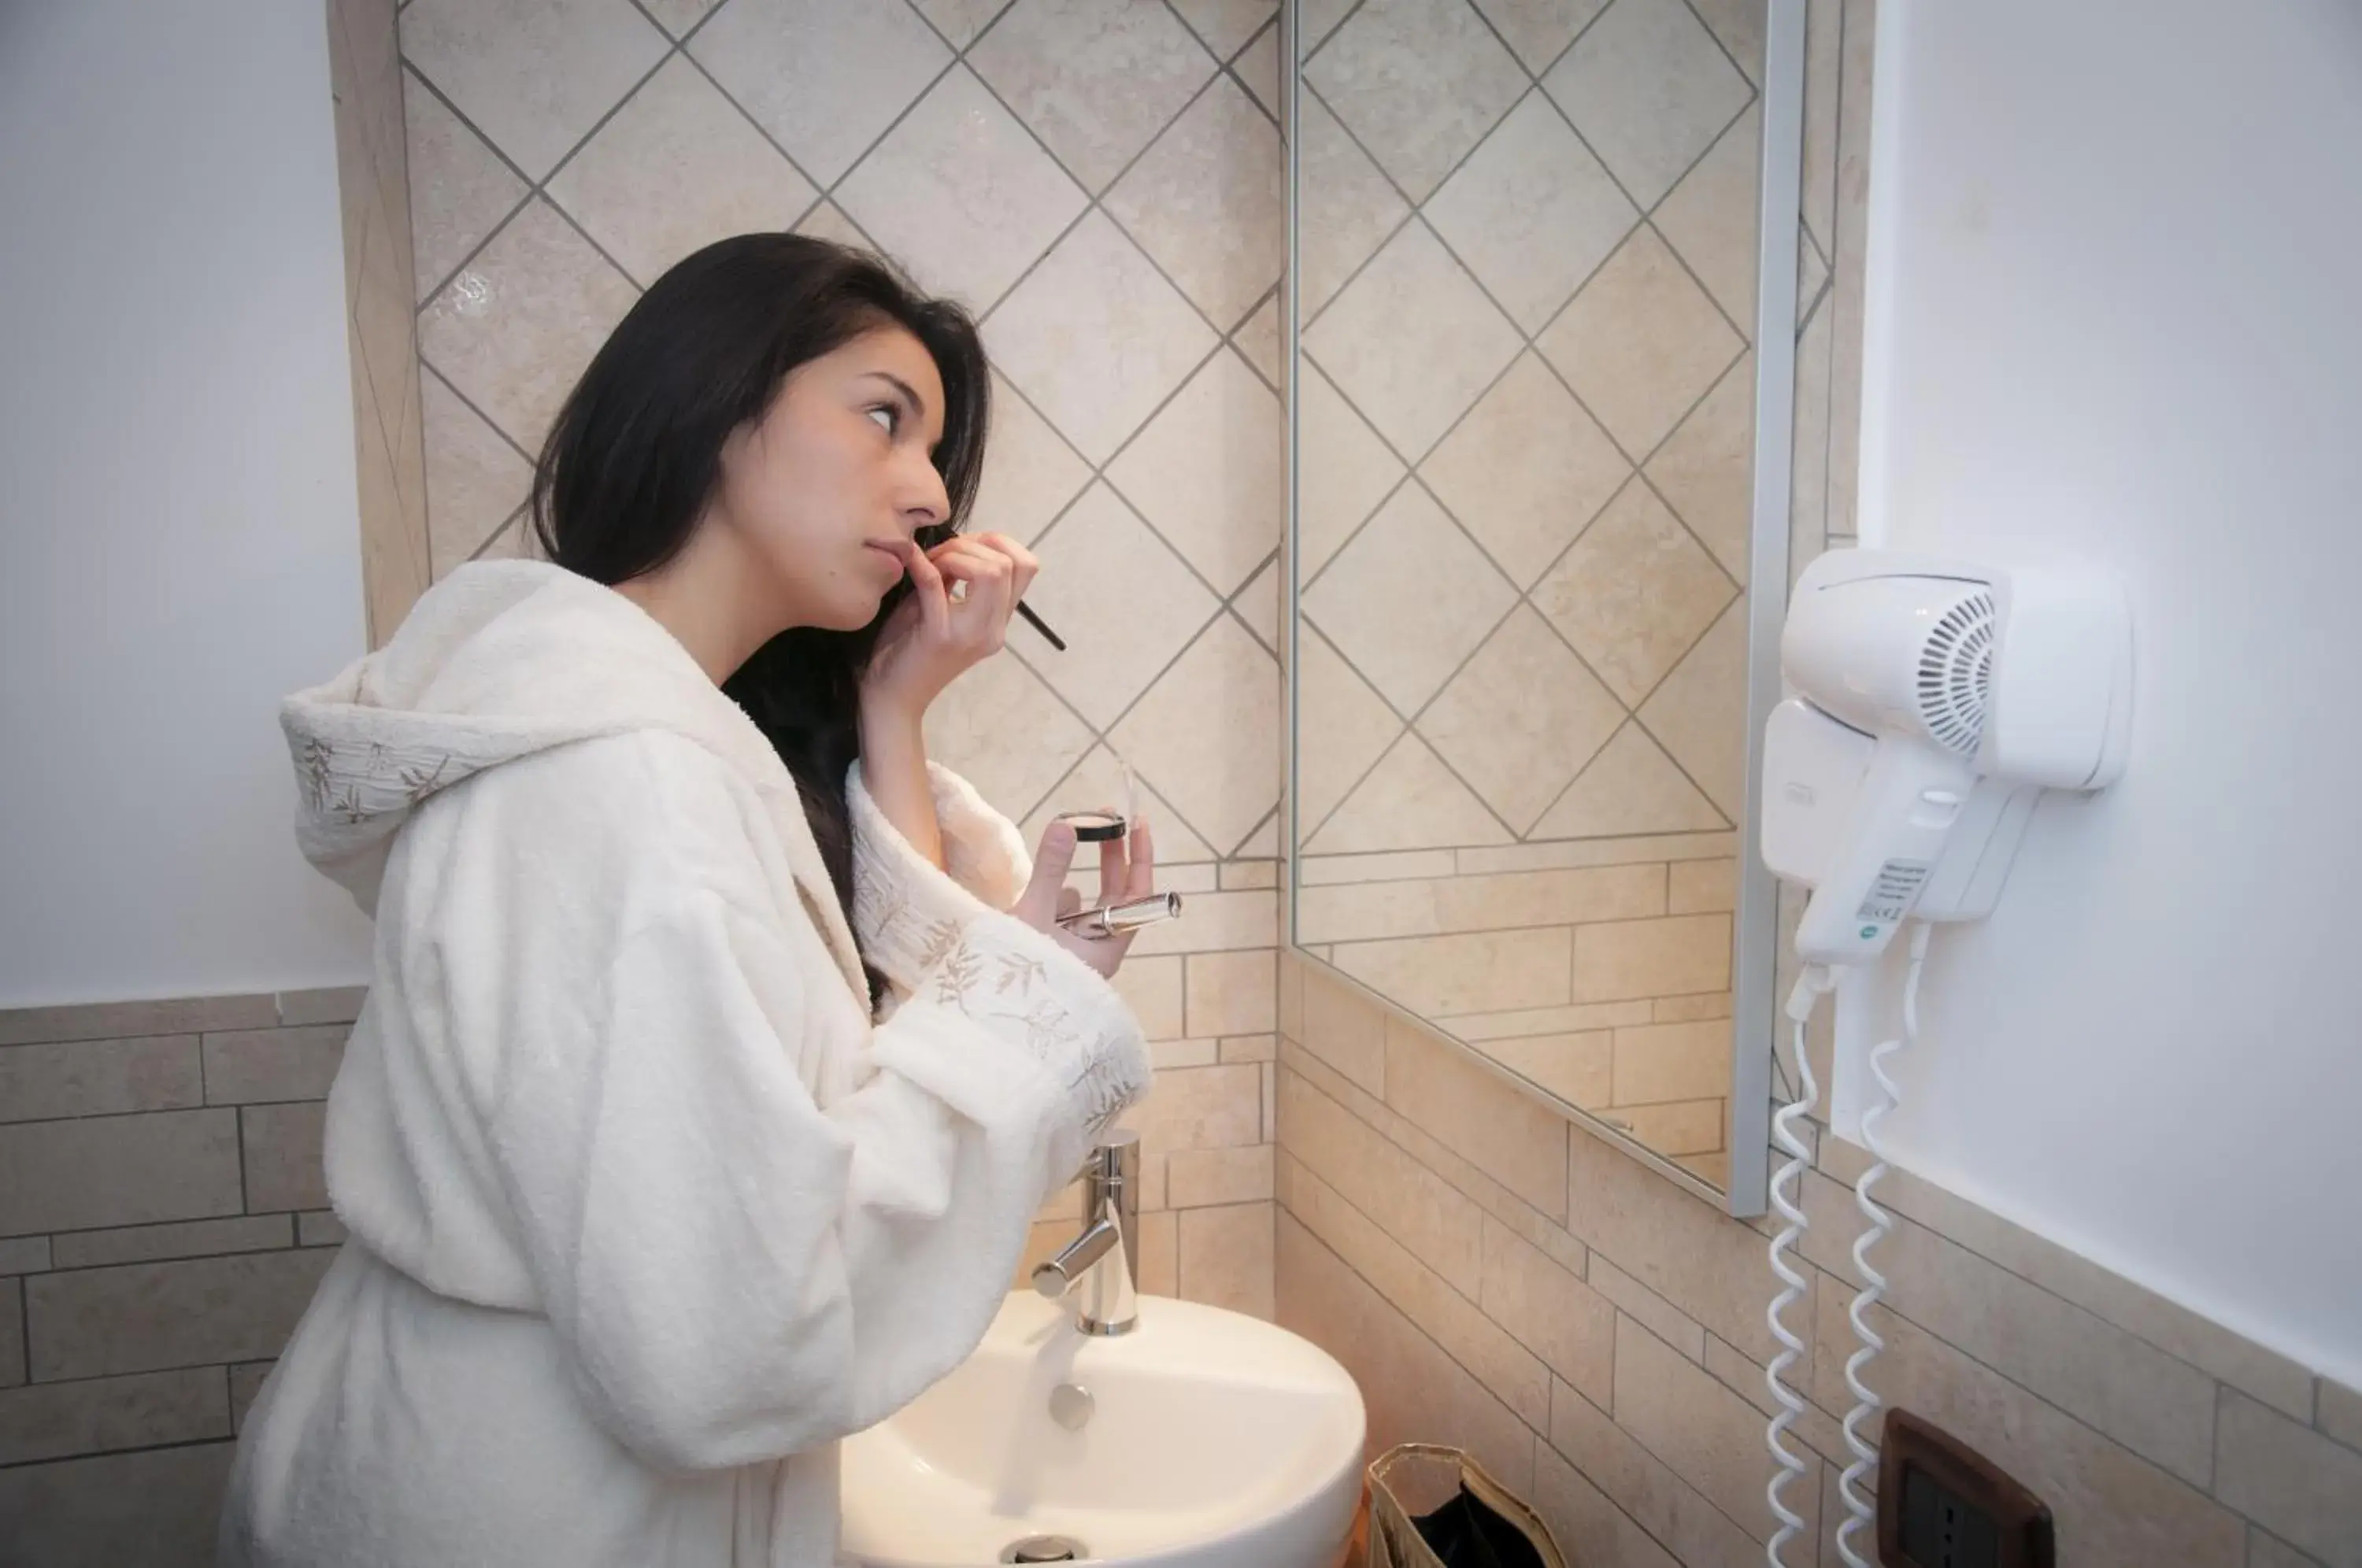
x: 933, y: 639
x: 1127, y: 871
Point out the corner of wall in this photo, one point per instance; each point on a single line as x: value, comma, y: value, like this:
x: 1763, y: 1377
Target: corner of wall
x: 372, y: 178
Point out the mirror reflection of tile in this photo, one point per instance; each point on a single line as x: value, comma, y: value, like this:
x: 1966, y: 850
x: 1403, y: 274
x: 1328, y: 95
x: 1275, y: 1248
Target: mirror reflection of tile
x: 1526, y: 433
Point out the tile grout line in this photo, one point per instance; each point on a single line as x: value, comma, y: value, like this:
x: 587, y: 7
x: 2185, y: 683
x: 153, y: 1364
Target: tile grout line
x: 1539, y: 1436
x: 1839, y: 1284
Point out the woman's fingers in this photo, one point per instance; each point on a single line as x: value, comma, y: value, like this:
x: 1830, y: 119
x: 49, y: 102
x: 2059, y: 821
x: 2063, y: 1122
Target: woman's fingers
x: 990, y: 599
x: 985, y: 561
x: 1042, y: 901
x: 1142, y: 860
x: 1115, y: 871
x: 1025, y: 566
x: 929, y: 588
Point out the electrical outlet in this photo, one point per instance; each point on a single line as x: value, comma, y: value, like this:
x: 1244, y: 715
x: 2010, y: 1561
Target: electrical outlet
x: 1943, y: 1505
x: 1942, y: 1529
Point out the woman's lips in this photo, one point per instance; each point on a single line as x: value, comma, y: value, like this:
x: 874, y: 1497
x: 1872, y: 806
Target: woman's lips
x: 891, y: 552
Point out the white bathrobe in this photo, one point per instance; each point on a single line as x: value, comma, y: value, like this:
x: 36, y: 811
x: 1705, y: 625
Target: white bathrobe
x: 644, y: 1212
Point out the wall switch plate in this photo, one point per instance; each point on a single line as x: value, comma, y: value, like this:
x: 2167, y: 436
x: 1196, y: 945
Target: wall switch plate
x: 1943, y: 1505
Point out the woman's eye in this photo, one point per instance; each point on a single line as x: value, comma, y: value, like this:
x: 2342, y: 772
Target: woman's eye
x: 888, y: 417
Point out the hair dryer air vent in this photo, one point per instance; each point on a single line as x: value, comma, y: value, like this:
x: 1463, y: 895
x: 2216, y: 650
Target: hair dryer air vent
x: 1956, y: 675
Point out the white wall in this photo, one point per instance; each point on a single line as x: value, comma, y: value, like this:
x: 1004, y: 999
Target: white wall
x: 2117, y: 312
x: 179, y: 543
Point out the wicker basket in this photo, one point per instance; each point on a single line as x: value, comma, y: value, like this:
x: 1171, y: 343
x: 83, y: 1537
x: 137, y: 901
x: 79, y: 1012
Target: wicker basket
x: 1416, y: 1478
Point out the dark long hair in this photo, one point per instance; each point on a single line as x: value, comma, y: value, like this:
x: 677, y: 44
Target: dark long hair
x: 636, y: 455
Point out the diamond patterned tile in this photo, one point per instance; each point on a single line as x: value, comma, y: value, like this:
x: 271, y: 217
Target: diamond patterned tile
x: 1029, y: 472
x: 1257, y: 604
x: 1209, y: 473
x: 1699, y: 713
x: 475, y: 480
x: 1343, y: 727
x: 960, y: 21
x: 1347, y: 206
x: 1264, y: 843
x: 1225, y: 25
x: 1811, y: 461
x: 1257, y: 66
x: 676, y: 16
x: 385, y: 323
x: 676, y: 169
x: 1641, y: 343
x: 961, y: 194
x: 1409, y: 599
x: 1525, y: 472
x: 1095, y: 79
x: 1207, y: 734
x: 827, y: 221
x: 1004, y: 732
x: 459, y: 189
x: 1633, y: 593
x: 1097, y: 782
x: 1520, y: 721
x: 1321, y: 18
x: 1097, y: 337
x: 1531, y: 213
x: 1709, y: 218
x: 1706, y: 470
x: 519, y: 323
x: 1413, y: 341
x: 1650, y: 89
x: 824, y: 77
x: 534, y: 75
x: 1208, y: 201
x: 1738, y: 25
x: 516, y: 542
x: 1257, y: 339
x: 1812, y: 273
x: 1824, y: 62
x: 1347, y: 471
x: 1122, y: 599
x: 1539, y: 31
x: 1630, y: 788
x: 1410, y: 801
x: 1420, y: 83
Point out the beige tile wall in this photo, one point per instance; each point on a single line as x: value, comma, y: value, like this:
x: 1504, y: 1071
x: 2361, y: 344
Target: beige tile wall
x: 1494, y: 1278
x: 162, y: 1224
x: 1100, y: 181
x: 372, y: 181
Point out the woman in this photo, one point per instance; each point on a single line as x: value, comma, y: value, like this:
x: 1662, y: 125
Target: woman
x: 720, y: 1048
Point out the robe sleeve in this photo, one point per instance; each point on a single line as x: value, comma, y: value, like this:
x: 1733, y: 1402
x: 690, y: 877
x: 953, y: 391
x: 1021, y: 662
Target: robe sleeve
x: 735, y: 1271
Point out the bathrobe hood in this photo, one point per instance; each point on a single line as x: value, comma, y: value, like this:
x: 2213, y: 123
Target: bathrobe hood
x: 498, y: 662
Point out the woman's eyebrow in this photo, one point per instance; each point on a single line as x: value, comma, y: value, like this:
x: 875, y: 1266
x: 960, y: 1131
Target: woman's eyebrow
x: 910, y: 394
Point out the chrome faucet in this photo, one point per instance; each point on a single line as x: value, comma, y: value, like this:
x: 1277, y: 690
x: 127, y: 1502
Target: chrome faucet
x: 1104, y: 1259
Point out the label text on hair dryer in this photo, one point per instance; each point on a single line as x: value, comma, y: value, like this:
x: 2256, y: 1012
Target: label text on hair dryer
x: 1898, y: 883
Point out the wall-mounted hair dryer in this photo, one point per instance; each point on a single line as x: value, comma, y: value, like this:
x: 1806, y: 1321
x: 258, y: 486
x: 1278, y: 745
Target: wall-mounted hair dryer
x: 1934, y: 701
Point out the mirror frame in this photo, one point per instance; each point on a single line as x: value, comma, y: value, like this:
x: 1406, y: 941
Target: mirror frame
x: 1755, y: 923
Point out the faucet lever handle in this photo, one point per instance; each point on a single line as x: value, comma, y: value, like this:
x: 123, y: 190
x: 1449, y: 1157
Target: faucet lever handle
x: 1106, y: 1159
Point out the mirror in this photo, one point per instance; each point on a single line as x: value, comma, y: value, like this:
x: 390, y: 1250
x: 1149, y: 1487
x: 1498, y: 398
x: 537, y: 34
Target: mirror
x: 1529, y: 499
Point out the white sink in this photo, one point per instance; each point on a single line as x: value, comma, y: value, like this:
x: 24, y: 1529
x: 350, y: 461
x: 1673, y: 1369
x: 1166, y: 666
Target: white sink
x: 1213, y: 1439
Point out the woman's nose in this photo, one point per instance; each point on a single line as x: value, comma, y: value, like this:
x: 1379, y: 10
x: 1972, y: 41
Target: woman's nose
x: 924, y: 500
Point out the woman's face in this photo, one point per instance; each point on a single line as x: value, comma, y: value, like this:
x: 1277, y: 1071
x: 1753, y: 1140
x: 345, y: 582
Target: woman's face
x: 840, y: 469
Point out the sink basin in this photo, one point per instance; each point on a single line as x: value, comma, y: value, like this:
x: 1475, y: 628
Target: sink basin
x: 1211, y: 1437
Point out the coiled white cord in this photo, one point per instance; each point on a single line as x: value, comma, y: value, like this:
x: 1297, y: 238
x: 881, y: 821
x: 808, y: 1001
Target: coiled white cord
x: 1810, y: 986
x: 1862, y: 1506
